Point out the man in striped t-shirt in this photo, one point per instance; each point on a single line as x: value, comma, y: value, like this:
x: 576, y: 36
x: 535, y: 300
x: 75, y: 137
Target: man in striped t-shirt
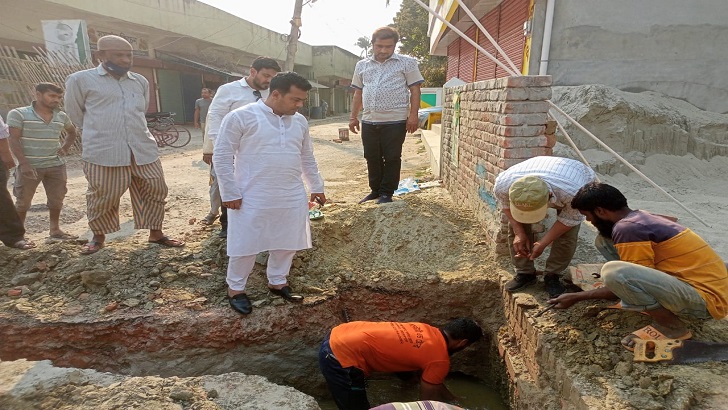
x: 525, y: 192
x: 35, y: 140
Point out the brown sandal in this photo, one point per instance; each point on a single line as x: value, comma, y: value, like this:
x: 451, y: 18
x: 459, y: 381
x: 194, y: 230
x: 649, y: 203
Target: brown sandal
x: 91, y: 247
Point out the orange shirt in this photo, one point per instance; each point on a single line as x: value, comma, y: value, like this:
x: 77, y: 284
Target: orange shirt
x: 392, y: 347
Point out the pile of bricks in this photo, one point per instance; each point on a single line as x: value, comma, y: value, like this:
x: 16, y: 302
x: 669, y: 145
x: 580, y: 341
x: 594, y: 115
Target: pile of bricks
x: 496, y: 124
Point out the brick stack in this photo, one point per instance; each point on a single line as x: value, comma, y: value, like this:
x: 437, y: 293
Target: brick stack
x: 502, y: 122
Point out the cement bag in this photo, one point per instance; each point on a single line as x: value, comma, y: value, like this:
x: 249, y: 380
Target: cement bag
x: 587, y: 275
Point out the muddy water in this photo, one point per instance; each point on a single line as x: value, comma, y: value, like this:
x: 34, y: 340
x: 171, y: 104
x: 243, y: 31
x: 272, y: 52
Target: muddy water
x: 473, y: 393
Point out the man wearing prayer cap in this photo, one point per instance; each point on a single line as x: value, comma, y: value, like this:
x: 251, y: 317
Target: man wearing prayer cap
x: 525, y: 192
x: 119, y: 153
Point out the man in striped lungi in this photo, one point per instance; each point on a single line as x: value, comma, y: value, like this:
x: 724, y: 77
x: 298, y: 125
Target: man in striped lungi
x: 119, y: 153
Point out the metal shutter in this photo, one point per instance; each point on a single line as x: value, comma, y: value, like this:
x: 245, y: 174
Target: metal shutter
x: 467, y: 57
x: 453, y: 59
x: 513, y: 13
x: 486, y: 68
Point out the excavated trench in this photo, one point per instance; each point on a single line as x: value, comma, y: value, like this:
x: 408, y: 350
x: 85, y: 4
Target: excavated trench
x: 137, y: 311
x: 278, y: 342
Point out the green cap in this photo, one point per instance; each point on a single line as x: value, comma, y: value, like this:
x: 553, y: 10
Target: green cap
x: 529, y: 198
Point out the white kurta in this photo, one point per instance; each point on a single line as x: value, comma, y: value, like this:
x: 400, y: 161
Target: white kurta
x: 264, y: 159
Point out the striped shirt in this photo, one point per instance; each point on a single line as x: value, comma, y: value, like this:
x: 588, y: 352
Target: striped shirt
x: 385, y: 87
x: 563, y: 176
x: 111, y: 114
x: 40, y: 140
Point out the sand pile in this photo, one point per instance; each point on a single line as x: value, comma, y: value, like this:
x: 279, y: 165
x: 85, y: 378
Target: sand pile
x: 647, y: 123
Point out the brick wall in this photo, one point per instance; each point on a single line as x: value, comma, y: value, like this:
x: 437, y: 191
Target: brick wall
x: 502, y: 122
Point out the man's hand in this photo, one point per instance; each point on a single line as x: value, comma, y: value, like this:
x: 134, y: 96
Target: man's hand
x: 318, y: 197
x: 522, y: 246
x: 63, y: 151
x: 197, y: 125
x: 537, y: 250
x: 565, y: 300
x: 235, y: 204
x: 207, y: 159
x: 27, y: 171
x: 354, y: 125
x: 412, y: 123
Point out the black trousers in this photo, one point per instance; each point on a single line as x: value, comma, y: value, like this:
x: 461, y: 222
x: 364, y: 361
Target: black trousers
x: 11, y: 229
x: 383, y: 152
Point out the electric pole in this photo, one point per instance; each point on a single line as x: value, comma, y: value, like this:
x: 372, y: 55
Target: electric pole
x: 293, y: 37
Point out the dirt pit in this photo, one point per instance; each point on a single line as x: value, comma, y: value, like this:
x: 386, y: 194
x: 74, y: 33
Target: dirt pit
x: 154, y: 311
x: 138, y: 310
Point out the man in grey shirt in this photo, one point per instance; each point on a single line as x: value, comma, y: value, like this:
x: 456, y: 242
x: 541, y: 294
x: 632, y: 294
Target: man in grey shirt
x: 201, y: 106
x: 119, y: 153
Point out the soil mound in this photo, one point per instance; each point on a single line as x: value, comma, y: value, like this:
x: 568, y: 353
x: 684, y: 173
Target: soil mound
x: 647, y: 122
x: 418, y: 238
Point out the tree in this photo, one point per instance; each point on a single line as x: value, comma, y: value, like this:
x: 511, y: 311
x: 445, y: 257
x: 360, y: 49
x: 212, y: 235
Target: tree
x: 412, y: 21
x: 365, y: 44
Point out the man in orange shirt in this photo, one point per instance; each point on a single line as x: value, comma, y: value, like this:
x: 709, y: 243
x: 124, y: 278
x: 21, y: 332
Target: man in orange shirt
x: 351, y: 351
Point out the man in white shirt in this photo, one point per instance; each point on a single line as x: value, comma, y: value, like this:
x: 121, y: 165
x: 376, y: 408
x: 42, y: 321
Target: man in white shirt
x: 525, y: 192
x: 387, y: 86
x: 227, y: 98
x: 263, y: 154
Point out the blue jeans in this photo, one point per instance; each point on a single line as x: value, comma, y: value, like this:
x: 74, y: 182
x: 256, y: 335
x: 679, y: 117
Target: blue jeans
x: 383, y: 152
x: 643, y: 289
x: 347, y: 385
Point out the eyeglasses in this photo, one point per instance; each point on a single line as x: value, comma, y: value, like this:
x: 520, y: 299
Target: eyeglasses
x: 257, y: 95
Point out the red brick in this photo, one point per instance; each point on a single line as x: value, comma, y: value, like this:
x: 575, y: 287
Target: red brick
x: 522, y: 142
x: 519, y: 130
x: 528, y: 81
x: 523, y: 153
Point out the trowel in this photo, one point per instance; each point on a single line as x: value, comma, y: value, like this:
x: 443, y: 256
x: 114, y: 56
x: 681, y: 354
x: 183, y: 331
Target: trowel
x: 673, y: 351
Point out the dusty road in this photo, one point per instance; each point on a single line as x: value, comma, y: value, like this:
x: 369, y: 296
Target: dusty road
x: 342, y: 165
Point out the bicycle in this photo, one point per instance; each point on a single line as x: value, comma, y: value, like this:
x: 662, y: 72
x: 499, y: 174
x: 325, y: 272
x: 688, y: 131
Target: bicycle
x: 161, y: 125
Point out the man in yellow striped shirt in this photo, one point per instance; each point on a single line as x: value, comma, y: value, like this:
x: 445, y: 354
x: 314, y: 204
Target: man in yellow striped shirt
x: 664, y: 269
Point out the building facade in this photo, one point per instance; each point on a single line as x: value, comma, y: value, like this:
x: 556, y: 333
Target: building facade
x: 673, y: 47
x: 179, y: 46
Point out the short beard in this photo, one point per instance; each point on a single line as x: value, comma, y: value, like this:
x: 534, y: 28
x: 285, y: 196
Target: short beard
x: 604, y: 226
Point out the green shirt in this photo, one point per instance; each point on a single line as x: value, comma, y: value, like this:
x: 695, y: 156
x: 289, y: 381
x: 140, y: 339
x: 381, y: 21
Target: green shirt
x: 41, y: 140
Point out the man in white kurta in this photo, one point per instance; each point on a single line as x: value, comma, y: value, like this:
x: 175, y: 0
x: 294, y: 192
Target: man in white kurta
x: 263, y: 154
